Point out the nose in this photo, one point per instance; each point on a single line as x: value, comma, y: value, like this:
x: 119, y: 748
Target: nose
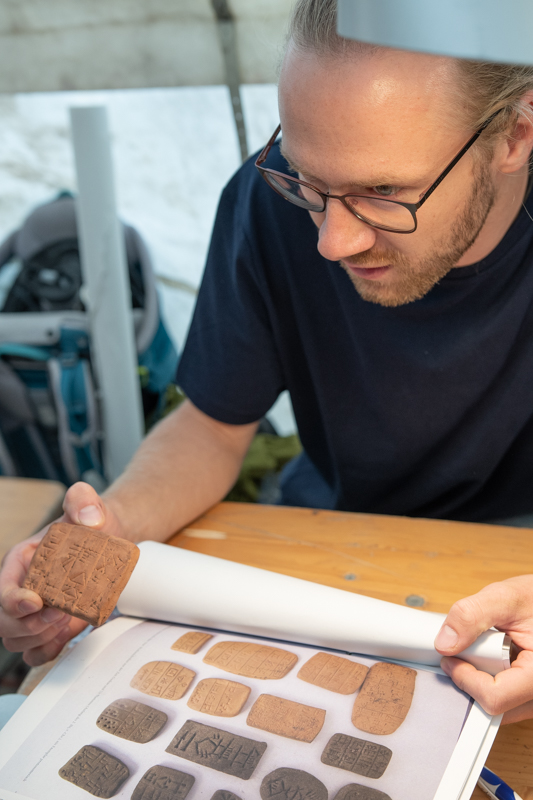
x: 340, y: 233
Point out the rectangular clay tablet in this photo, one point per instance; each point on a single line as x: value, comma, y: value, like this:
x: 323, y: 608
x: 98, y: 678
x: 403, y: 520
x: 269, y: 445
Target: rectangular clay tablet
x: 217, y: 749
x: 163, y: 783
x: 286, y: 718
x: 191, y: 642
x: 334, y: 673
x: 356, y: 755
x: 163, y: 679
x: 385, y: 698
x: 251, y: 660
x: 133, y: 721
x: 219, y: 697
x: 356, y: 791
x: 95, y: 771
x: 81, y: 571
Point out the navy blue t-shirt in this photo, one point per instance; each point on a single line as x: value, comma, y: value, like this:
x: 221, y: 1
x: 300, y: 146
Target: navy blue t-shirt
x: 424, y: 409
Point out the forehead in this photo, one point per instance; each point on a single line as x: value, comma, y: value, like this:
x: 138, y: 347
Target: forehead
x: 385, y: 113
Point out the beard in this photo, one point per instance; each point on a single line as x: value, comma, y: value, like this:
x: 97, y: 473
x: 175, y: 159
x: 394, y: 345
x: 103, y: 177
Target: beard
x: 413, y: 278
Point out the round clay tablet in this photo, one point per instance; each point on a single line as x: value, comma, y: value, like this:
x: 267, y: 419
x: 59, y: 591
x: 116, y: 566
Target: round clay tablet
x: 287, y: 784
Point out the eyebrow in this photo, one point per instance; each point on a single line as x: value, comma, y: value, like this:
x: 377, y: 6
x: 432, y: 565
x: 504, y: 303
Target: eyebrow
x: 383, y: 179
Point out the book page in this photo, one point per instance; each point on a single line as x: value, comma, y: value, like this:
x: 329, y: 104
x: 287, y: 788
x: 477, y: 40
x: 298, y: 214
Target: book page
x: 226, y: 716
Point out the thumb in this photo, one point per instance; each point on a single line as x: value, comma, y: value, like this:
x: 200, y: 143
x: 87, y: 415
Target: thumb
x: 83, y: 506
x: 468, y: 619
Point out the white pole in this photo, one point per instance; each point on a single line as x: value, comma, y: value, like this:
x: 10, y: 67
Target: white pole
x: 105, y: 274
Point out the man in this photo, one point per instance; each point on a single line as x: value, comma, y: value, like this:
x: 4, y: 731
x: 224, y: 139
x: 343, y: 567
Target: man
x: 409, y: 365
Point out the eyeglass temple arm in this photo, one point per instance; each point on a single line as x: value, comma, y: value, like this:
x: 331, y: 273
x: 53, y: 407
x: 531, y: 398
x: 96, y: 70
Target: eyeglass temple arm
x: 264, y: 153
x: 456, y: 159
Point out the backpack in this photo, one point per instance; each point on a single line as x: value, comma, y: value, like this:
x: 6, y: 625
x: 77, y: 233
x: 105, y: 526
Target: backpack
x: 49, y: 404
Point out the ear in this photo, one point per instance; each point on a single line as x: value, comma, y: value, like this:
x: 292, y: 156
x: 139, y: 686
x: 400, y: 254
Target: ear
x: 518, y: 145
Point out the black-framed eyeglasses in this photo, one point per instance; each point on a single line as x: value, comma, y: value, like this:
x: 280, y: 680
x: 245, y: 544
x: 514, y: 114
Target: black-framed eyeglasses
x: 387, y: 215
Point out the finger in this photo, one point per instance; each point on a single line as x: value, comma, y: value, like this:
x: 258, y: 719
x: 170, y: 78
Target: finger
x: 19, y: 644
x: 505, y: 691
x: 36, y: 656
x: 525, y: 711
x: 32, y: 624
x: 83, y: 506
x: 15, y: 600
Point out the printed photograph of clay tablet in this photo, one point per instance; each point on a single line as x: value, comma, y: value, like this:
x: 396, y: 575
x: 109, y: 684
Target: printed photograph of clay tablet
x: 170, y: 709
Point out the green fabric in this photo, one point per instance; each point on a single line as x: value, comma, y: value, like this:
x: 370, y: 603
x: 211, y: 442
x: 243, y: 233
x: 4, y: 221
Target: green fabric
x: 267, y: 454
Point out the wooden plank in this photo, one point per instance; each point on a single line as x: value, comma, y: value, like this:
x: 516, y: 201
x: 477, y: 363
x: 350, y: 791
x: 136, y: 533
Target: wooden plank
x: 27, y: 505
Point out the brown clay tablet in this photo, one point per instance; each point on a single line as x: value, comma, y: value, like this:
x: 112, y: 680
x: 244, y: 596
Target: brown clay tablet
x: 217, y: 749
x: 81, y: 571
x: 286, y: 718
x: 222, y: 794
x: 219, y: 697
x: 356, y: 755
x: 163, y: 783
x: 385, y: 698
x: 133, y: 721
x: 163, y: 679
x: 292, y: 784
x: 191, y: 642
x: 251, y: 660
x: 334, y: 673
x: 95, y: 771
x: 355, y: 791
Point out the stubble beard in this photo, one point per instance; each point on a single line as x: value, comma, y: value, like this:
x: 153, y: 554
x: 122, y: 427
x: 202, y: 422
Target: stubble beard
x: 415, y: 278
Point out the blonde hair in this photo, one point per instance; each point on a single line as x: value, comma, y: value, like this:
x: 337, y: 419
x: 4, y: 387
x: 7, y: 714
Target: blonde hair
x: 483, y: 87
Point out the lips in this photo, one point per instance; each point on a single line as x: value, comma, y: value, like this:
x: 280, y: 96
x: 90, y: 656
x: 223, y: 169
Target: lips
x: 369, y: 273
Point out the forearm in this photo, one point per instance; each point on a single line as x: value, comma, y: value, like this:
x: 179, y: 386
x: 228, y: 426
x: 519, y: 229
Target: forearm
x: 184, y: 466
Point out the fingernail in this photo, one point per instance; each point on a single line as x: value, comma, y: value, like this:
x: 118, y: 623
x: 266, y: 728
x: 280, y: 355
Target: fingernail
x: 90, y: 515
x: 52, y: 615
x: 446, y: 639
x: 27, y: 607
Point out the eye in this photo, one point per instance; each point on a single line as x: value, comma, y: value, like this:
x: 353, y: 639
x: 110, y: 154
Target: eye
x: 386, y: 191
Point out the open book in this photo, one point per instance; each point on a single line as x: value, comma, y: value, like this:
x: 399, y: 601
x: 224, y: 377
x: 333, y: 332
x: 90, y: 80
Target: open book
x: 162, y: 711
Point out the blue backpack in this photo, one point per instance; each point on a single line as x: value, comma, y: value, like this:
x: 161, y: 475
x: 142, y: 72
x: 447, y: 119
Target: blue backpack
x: 49, y: 404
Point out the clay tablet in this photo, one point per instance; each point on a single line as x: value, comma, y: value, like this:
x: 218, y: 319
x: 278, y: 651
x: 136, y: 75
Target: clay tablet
x: 251, y: 660
x: 81, y: 571
x: 163, y: 783
x: 292, y: 784
x: 356, y: 755
x: 219, y: 697
x: 130, y: 720
x: 95, y: 771
x: 286, y: 718
x: 217, y: 749
x: 221, y: 794
x: 354, y: 791
x: 334, y: 673
x: 163, y: 679
x: 385, y: 698
x: 191, y: 642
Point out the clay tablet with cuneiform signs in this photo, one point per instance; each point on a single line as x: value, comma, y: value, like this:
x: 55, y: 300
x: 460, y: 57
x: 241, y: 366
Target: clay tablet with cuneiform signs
x: 355, y: 791
x: 163, y: 679
x: 191, y: 642
x: 163, y: 783
x: 133, y: 721
x: 292, y: 784
x: 356, y: 755
x: 385, y: 698
x: 251, y: 660
x: 95, y: 771
x: 286, y: 718
x: 219, y: 697
x: 81, y: 571
x: 222, y: 794
x: 218, y: 749
x: 334, y: 673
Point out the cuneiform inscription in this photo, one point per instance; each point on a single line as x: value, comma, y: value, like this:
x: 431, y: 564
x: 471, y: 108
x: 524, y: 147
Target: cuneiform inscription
x: 163, y: 783
x: 292, y: 784
x: 130, y: 720
x: 192, y: 641
x: 222, y: 794
x: 95, y: 771
x: 334, y: 673
x: 286, y: 718
x: 217, y: 749
x: 385, y: 698
x: 163, y: 679
x: 219, y: 697
x: 355, y: 791
x: 81, y: 571
x: 251, y: 660
x: 356, y: 755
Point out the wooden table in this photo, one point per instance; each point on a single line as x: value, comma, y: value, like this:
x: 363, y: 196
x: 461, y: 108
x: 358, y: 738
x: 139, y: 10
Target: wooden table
x: 25, y: 506
x: 426, y: 563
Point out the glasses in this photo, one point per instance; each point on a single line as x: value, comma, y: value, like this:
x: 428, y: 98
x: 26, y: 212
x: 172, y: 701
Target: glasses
x: 387, y: 215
